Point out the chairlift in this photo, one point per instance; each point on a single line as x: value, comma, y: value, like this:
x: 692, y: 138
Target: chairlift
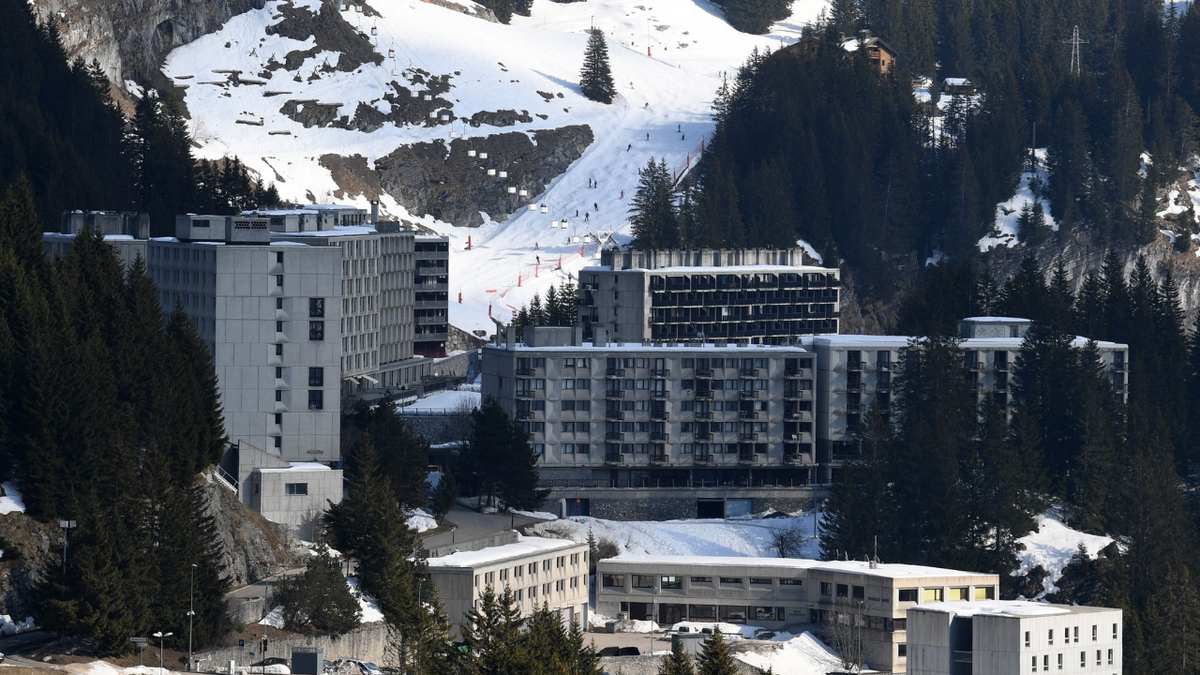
x: 395, y: 72
x: 504, y: 174
x: 358, y: 8
x: 344, y: 7
x: 413, y: 94
x: 432, y: 114
x: 574, y: 240
x: 491, y: 172
x: 512, y: 190
x: 445, y: 117
x: 545, y: 209
x: 470, y: 153
x: 587, y: 238
x: 391, y: 53
x: 525, y: 193
x: 554, y: 224
x: 374, y: 30
x: 453, y: 134
x: 533, y: 207
x: 428, y: 97
x: 483, y: 155
x: 564, y: 223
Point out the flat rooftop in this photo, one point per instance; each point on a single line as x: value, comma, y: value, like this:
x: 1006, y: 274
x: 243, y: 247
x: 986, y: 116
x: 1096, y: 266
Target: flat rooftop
x: 725, y: 269
x: 639, y: 346
x: 899, y: 341
x: 525, y: 547
x: 1007, y: 608
x: 882, y: 570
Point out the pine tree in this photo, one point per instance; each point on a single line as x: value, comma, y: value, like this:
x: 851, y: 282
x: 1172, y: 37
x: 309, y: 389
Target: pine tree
x: 319, y: 599
x: 715, y: 657
x: 596, y: 78
x: 444, y: 496
x: 492, y: 635
x: 858, y: 513
x: 652, y: 211
x: 678, y: 663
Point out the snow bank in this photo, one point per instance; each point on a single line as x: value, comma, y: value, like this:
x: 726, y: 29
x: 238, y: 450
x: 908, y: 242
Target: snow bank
x: 444, y: 401
x: 370, y: 609
x: 421, y: 521
x: 10, y: 627
x: 725, y: 628
x: 274, y: 618
x: 748, y: 537
x: 801, y: 655
x: 1052, y: 546
x: 11, y: 501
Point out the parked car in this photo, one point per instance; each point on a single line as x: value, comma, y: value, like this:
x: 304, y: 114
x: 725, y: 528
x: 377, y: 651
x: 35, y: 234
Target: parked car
x: 275, y: 665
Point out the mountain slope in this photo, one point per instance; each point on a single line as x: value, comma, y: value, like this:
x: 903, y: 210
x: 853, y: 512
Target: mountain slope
x: 295, y: 102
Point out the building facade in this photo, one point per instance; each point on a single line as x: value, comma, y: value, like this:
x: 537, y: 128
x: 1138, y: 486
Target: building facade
x: 1010, y: 637
x: 537, y: 571
x: 432, y: 286
x: 856, y: 371
x: 125, y: 232
x: 781, y: 593
x: 676, y: 416
x: 644, y: 296
x: 269, y: 313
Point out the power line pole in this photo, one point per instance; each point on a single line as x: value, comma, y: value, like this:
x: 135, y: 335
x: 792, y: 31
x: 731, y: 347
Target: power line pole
x: 1075, y: 42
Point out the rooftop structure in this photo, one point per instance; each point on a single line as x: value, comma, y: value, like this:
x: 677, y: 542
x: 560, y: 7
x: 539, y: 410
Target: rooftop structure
x: 791, y: 594
x: 126, y: 232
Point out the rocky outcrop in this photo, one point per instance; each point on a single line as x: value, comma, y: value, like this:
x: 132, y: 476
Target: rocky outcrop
x: 449, y: 184
x: 330, y: 31
x: 130, y: 38
x: 255, y: 547
x: 500, y: 118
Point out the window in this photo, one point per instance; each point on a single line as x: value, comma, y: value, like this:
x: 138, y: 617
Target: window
x: 279, y: 280
x: 296, y: 488
x: 1082, y: 659
x: 958, y: 594
x: 1076, y: 633
x: 316, y: 307
x: 859, y: 592
x: 278, y: 373
x: 568, y: 384
x: 279, y: 350
x: 316, y: 330
x: 827, y: 588
x: 1026, y: 638
x: 278, y: 419
x: 316, y: 399
x: 900, y: 625
x: 1060, y: 661
x: 278, y: 444
x: 278, y: 303
x: 568, y: 448
x: 519, y: 594
x: 568, y: 427
x: 843, y: 590
x: 791, y: 582
x: 756, y: 581
x: 316, y: 377
x: 278, y: 395
x: 583, y: 384
x: 908, y: 595
x: 278, y: 326
x: 989, y: 593
x: 643, y: 581
x: 933, y: 595
x: 902, y: 649
x: 767, y: 613
x: 1045, y: 662
x: 1094, y: 638
x: 672, y: 582
x: 731, y: 581
x: 1110, y: 658
x: 1097, y: 657
x: 568, y: 363
x: 1034, y: 669
x: 1050, y: 636
x: 1114, y: 631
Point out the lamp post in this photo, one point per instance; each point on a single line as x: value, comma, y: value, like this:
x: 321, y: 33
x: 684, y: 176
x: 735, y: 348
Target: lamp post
x: 191, y: 612
x: 161, y: 637
x: 65, y: 525
x: 420, y: 608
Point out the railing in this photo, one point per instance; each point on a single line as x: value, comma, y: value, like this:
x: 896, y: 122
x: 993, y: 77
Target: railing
x: 748, y: 414
x: 614, y: 415
x: 704, y: 415
x: 660, y: 436
x: 660, y: 415
x: 525, y: 371
x: 747, y: 459
x: 704, y: 372
x: 752, y: 393
x: 704, y: 395
x: 614, y: 436
x: 854, y: 365
x: 701, y: 459
x: 525, y: 393
x: 703, y: 435
x: 660, y: 393
x: 614, y: 372
x: 658, y: 373
x: 225, y: 479
x: 612, y: 458
x: 658, y: 459
x: 614, y: 393
x: 748, y: 437
x: 749, y: 372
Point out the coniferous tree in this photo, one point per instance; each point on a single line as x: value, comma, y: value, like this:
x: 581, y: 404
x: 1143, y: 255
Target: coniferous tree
x: 678, y: 663
x: 596, y: 78
x: 858, y: 513
x: 715, y: 657
x: 652, y: 211
x: 444, y: 496
x: 319, y: 599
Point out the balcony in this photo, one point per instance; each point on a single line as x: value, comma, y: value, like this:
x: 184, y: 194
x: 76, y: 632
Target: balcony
x: 703, y: 394
x: 658, y: 373
x: 749, y: 414
x: 660, y: 415
x: 703, y: 435
x: 748, y: 458
x: 704, y: 415
x: 660, y: 393
x: 614, y: 372
x: 854, y: 365
x: 1000, y: 367
x: 525, y: 414
x: 798, y: 374
x: 658, y: 459
x: 614, y: 436
x: 701, y: 459
x: 525, y: 371
x: 704, y: 372
x: 748, y: 394
x: 795, y: 458
x: 613, y: 459
x: 614, y: 393
x: 798, y: 394
x: 748, y: 437
x: 614, y: 415
x: 1118, y: 365
x: 749, y: 372
x: 524, y: 393
x: 660, y: 436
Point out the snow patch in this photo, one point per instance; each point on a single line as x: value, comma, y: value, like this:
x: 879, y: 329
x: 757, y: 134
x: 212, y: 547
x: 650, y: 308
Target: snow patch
x: 421, y: 521
x: 800, y: 655
x: 274, y: 618
x: 370, y: 609
x: 11, y: 502
x: 1052, y: 546
x: 1008, y: 213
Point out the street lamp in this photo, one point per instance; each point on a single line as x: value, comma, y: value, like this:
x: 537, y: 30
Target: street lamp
x: 191, y: 613
x: 161, y: 636
x: 65, y: 525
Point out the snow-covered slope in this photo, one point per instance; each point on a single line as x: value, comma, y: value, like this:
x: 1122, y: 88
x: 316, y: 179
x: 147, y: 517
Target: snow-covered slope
x: 662, y: 111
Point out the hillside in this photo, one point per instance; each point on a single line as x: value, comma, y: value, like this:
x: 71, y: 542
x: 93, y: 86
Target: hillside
x: 331, y: 105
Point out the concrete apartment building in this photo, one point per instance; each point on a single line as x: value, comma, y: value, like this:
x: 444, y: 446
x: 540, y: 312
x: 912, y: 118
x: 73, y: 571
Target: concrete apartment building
x: 759, y: 296
x: 126, y: 232
x: 854, y: 371
x: 538, y: 571
x: 779, y: 593
x: 1011, y: 637
x: 706, y: 430
x: 432, y: 286
x: 269, y: 313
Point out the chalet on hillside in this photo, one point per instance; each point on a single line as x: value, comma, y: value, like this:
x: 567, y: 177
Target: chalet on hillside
x: 879, y: 52
x: 958, y: 86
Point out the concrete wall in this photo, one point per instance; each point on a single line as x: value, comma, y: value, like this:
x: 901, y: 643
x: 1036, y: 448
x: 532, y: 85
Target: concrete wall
x: 298, y: 510
x: 369, y: 643
x: 676, y: 503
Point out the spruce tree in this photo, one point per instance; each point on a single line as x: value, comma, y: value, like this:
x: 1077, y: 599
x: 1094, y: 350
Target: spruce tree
x: 596, y: 78
x: 652, y: 211
x: 444, y: 496
x: 678, y: 663
x: 319, y: 600
x: 715, y: 657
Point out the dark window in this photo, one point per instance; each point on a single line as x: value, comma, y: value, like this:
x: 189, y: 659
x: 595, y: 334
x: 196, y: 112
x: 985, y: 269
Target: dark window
x: 316, y: 399
x: 755, y: 581
x: 843, y: 590
x: 278, y: 373
x: 279, y: 280
x: 278, y: 326
x: 316, y: 377
x: 279, y: 350
x: 296, y: 488
x: 316, y: 307
x: 278, y: 418
x: 791, y: 582
x: 860, y: 593
x: 278, y: 444
x: 278, y: 303
x: 643, y: 581
x: 278, y: 394
x: 672, y: 582
x: 613, y: 581
x: 731, y: 581
x: 279, y: 257
x: 316, y: 330
x: 908, y: 595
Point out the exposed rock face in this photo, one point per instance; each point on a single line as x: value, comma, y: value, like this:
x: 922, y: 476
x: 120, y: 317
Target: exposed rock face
x: 130, y: 38
x: 255, y: 547
x: 331, y: 33
x: 500, y: 118
x: 429, y: 178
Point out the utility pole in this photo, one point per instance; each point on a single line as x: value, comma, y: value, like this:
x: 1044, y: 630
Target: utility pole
x: 65, y: 525
x: 191, y: 613
x: 1075, y: 42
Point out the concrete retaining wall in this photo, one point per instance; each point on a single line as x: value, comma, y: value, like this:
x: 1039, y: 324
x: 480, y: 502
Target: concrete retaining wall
x: 369, y: 643
x: 672, y: 504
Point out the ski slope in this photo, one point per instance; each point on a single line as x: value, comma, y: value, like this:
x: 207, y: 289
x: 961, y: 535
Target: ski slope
x: 662, y: 111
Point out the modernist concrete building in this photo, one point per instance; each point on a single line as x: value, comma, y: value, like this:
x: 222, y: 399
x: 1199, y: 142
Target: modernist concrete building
x: 756, y: 296
x: 854, y: 371
x: 698, y: 420
x: 125, y: 232
x: 269, y: 313
x: 432, y: 286
x: 538, y: 571
x: 777, y: 593
x: 1011, y: 637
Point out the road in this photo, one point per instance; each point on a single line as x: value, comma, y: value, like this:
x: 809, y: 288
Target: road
x: 470, y: 524
x: 26, y: 643
x: 258, y: 589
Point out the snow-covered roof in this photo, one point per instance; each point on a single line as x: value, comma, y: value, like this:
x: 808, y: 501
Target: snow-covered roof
x: 299, y: 466
x: 899, y: 341
x: 525, y: 547
x: 1006, y: 608
x: 882, y: 570
x: 337, y: 231
x: 726, y: 269
x: 957, y: 81
x: 996, y: 319
x: 638, y: 347
x: 444, y: 400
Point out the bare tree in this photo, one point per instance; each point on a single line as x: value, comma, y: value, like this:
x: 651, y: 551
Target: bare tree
x: 847, y: 626
x: 786, y: 542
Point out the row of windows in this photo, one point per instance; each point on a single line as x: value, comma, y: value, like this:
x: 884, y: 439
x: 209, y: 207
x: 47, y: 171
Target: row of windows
x: 669, y: 582
x: 1082, y: 660
x: 519, y: 571
x: 936, y: 594
x: 1067, y: 634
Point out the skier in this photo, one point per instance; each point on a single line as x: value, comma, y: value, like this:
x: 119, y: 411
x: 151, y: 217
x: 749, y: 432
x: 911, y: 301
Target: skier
x: 595, y: 206
x: 622, y: 194
x: 683, y: 137
x: 678, y: 127
x: 628, y: 147
x: 539, y: 259
x: 576, y: 213
x: 647, y: 136
x: 585, y: 217
x: 535, y: 245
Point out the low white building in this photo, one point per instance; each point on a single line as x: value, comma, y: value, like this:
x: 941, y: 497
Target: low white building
x: 553, y: 572
x: 1010, y: 637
